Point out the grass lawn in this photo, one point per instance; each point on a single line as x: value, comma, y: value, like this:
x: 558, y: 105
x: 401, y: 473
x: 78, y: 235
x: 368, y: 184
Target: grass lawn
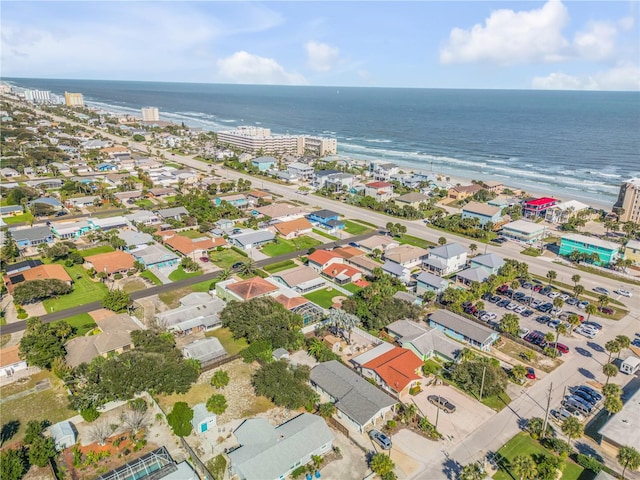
x: 317, y: 231
x: 134, y: 285
x: 323, y: 297
x: 523, y: 444
x: 192, y: 234
x: 280, y: 266
x: 96, y: 250
x: 145, y: 203
x: 180, y: 274
x: 151, y: 277
x: 82, y: 322
x: 4, y: 339
x: 50, y: 404
x: 24, y: 218
x: 516, y: 351
x: 352, y: 288
x: 231, y: 345
x: 285, y: 246
x: 355, y: 228
x: 497, y: 402
x: 204, y: 286
x: 415, y: 241
x: 226, y: 258
x: 84, y: 291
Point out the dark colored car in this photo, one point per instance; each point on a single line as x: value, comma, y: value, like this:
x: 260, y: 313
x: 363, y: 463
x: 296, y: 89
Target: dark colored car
x: 586, y: 397
x: 495, y: 299
x: 544, y: 319
x: 587, y: 405
x: 527, y: 313
x: 519, y: 295
x: 237, y: 265
x: 545, y: 290
x: 503, y: 303
x: 594, y: 393
x: 204, y: 259
x: 606, y: 310
x: 442, y: 403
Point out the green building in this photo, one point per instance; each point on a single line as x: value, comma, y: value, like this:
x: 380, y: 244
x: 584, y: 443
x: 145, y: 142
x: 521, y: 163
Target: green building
x: 607, y: 251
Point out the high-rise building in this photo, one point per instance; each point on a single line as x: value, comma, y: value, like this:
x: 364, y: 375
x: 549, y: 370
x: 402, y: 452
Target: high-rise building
x: 150, y: 114
x: 73, y: 99
x: 628, y: 204
x: 258, y: 139
x: 37, y: 96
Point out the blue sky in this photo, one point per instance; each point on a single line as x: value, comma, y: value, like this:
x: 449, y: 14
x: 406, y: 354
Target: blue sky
x: 577, y: 45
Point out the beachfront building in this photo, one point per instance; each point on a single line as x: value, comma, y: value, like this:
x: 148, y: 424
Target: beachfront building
x: 383, y: 171
x: 150, y: 114
x: 628, y: 203
x: 257, y: 139
x: 632, y: 251
x: 523, y: 231
x: 607, y: 252
x: 264, y: 163
x: 73, y: 99
x: 332, y: 179
x: 482, y: 212
x: 460, y: 192
x: 412, y: 199
x: 380, y: 190
x: 562, y: 212
x: 300, y: 170
x: 538, y: 207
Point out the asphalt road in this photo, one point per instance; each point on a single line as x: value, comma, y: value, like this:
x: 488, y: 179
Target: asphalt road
x: 53, y: 218
x: 89, y: 307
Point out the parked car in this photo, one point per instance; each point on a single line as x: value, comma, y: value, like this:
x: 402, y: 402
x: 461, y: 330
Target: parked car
x: 537, y: 288
x: 636, y: 342
x: 545, y: 290
x: 594, y: 325
x: 602, y: 290
x: 503, y: 303
x: 624, y: 293
x: 561, y: 347
x: 523, y: 332
x: 583, y: 304
x: 594, y: 393
x: 519, y: 295
x: 520, y: 309
x: 535, y: 303
x: 565, y: 296
x: 606, y: 310
x: 511, y: 306
x: 495, y: 299
x: 380, y: 438
x: 588, y: 406
x: 527, y: 313
x: 502, y: 288
x: 553, y: 295
x: 442, y: 403
x: 586, y: 396
x: 544, y: 319
x: 585, y: 332
x: 531, y: 373
x: 572, y: 301
x: 236, y: 265
x: 204, y: 259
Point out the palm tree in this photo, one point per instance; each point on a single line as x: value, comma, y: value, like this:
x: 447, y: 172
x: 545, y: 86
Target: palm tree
x: 611, y: 390
x: 612, y: 403
x: 572, y: 428
x: 518, y: 371
x: 574, y: 321
x: 381, y: 464
x: 561, y: 329
x: 473, y: 247
x: 326, y: 409
x: 578, y: 290
x: 409, y: 413
x: 551, y: 276
x: 612, y: 346
x: 466, y: 355
x: 628, y: 457
x: 248, y: 267
x: 549, y: 337
x: 575, y: 279
x: 624, y: 342
x: 514, y: 286
x: 603, y: 300
x: 591, y: 309
x: 472, y: 471
x: 428, y: 296
x: 524, y: 467
x: 315, y: 348
x: 610, y: 370
x: 224, y: 274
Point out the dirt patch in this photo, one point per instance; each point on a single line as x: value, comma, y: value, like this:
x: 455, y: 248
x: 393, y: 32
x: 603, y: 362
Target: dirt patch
x: 132, y: 284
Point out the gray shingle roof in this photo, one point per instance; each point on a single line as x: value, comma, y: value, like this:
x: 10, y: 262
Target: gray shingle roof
x: 461, y: 325
x: 432, y: 280
x: 200, y: 414
x: 204, y: 350
x: 172, y: 212
x: 449, y: 250
x: 253, y: 237
x: 475, y: 274
x: 489, y: 260
x: 356, y: 397
x: 32, y: 234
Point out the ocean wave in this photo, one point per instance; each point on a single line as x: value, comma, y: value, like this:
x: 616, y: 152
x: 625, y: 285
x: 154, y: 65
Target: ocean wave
x: 377, y: 140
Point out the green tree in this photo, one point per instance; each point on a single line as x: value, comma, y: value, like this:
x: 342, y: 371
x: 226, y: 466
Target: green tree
x: 590, y: 309
x: 612, y: 346
x: 551, y: 276
x: 578, y: 290
x: 442, y: 241
x: 466, y: 355
x: 469, y: 377
x: 612, y: 403
x: 116, y: 300
x: 381, y: 464
x: 471, y: 471
x: 34, y: 430
x: 534, y: 427
x: 611, y: 390
x: 36, y: 290
x: 472, y: 248
x: 286, y: 385
x: 189, y: 265
x: 220, y: 379
x: 575, y: 279
x: 42, y: 343
x: 510, y: 323
x: 41, y: 451
x: 10, y: 250
x: 609, y: 370
x: 524, y: 467
x: 623, y: 342
x: 326, y: 409
x: 628, y: 457
x: 13, y: 464
x: 217, y: 404
x: 179, y: 419
x: 572, y: 428
x: 518, y: 372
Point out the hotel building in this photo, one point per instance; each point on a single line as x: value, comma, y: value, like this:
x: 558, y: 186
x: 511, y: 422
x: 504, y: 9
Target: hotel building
x: 73, y: 99
x: 629, y: 201
x: 258, y: 139
x: 150, y: 114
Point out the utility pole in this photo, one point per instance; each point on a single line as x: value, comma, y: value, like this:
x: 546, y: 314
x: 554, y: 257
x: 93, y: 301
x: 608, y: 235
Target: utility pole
x: 546, y: 413
x: 484, y: 370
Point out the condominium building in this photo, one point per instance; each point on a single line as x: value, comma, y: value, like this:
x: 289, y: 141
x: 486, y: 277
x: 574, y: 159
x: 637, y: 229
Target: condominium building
x: 37, y: 96
x: 73, y: 99
x: 258, y: 139
x: 150, y: 114
x: 628, y: 204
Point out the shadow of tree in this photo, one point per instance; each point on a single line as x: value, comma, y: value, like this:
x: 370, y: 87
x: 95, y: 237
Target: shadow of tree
x: 586, y: 449
x: 586, y: 373
x: 8, y: 430
x: 451, y: 468
x: 594, y: 346
x: 583, y: 352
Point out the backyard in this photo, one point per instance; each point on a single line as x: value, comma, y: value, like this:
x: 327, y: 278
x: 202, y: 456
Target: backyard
x: 231, y: 345
x: 96, y: 250
x: 324, y: 297
x: 280, y: 266
x: 286, y: 246
x: 84, y: 291
x: 324, y: 234
x: 24, y: 218
x: 151, y: 277
x: 192, y: 234
x: 415, y: 241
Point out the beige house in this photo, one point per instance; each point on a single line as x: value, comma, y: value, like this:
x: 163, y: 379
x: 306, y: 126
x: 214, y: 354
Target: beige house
x: 412, y: 199
x: 460, y: 192
x: 406, y: 255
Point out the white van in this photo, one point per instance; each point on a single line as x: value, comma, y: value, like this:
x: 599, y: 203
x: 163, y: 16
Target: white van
x: 630, y: 365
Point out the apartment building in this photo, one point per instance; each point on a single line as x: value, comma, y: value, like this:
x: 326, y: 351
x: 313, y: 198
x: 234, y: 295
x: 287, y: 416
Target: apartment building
x: 73, y: 99
x: 150, y: 114
x: 628, y: 203
x: 259, y: 139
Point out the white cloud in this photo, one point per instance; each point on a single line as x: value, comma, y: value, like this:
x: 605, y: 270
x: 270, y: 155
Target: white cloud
x: 245, y: 67
x: 321, y: 57
x: 624, y: 77
x: 510, y: 37
x: 597, y: 42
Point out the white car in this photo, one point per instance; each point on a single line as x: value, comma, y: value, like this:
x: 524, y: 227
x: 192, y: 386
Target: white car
x: 512, y: 306
x: 565, y: 296
x: 586, y: 332
x: 523, y: 332
x: 553, y: 294
x: 520, y: 309
x: 624, y: 293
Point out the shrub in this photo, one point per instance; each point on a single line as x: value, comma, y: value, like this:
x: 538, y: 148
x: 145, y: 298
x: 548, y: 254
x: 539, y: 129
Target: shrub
x: 589, y: 463
x: 90, y: 414
x: 117, y: 276
x: 415, y: 390
x: 391, y: 424
x: 558, y: 445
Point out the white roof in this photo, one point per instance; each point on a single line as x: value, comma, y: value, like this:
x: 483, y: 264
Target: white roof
x: 575, y: 204
x: 524, y: 226
x: 624, y: 426
x: 596, y: 242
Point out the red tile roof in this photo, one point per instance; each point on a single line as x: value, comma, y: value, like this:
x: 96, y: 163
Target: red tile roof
x: 111, y: 262
x: 252, y: 288
x: 396, y: 367
x: 340, y: 269
x: 290, y: 302
x: 41, y: 272
x: 348, y: 252
x: 379, y: 184
x: 322, y: 256
x: 186, y: 245
x: 298, y: 225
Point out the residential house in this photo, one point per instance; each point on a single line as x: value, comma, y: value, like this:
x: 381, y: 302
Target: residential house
x: 18, y: 267
x: 412, y: 199
x: 111, y: 263
x: 293, y: 228
x: 81, y: 202
x: 326, y: 219
x: 473, y: 275
x: 383, y: 170
x: 490, y: 261
x: 380, y: 349
x: 396, y: 370
x: 339, y: 182
x: 348, y: 252
x: 156, y: 256
x: 463, y: 329
x: 424, y: 342
x: 396, y: 270
x: 144, y: 217
x: 364, y: 263
x: 188, y: 177
x: 114, y: 337
x: 429, y: 282
x: 203, y: 420
x: 300, y: 279
x: 321, y: 177
x: 301, y: 170
x: 198, y: 311
x: 248, y: 239
x: 381, y: 191
x: 161, y: 192
x: 493, y: 186
x: 175, y: 213
x: 32, y: 236
x: 10, y: 362
x: 562, y: 212
x: 10, y: 210
x: 72, y: 229
x: 461, y: 192
x: 523, y: 231
x: 48, y: 183
x: 286, y: 176
x: 341, y: 273
x: 607, y: 251
x: 322, y: 259
x: 357, y: 401
x: 108, y: 223
x: 197, y: 247
x: 482, y: 212
x: 238, y: 200
x: 255, y: 196
x: 272, y: 453
x: 446, y: 259
x: 282, y: 212
x: 46, y: 202
x: 134, y: 240
x: 632, y: 251
x: 538, y: 207
x: 41, y: 272
x: 381, y: 243
x: 264, y: 163
x: 204, y: 350
x: 9, y: 172
x: 64, y: 435
x: 59, y: 168
x: 244, y: 290
x: 408, y: 256
x: 106, y: 167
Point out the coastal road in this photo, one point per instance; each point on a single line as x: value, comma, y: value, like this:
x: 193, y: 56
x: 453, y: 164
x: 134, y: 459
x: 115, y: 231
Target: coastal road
x: 89, y: 307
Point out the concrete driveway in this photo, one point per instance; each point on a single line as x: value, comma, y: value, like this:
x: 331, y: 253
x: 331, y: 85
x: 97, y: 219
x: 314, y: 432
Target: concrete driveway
x: 352, y: 466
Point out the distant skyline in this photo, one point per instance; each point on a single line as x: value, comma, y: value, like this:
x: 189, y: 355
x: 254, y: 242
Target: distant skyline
x: 570, y: 45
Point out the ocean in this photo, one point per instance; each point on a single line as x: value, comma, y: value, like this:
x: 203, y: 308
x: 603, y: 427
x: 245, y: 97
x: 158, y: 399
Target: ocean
x: 573, y: 144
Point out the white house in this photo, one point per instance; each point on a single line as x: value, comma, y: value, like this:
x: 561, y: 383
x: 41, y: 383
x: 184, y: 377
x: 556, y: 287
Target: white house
x: 446, y: 259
